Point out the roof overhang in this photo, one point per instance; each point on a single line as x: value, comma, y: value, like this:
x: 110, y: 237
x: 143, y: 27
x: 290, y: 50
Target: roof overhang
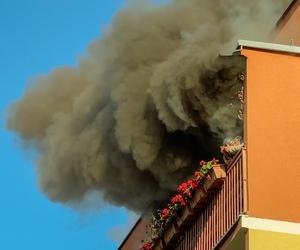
x: 268, y: 46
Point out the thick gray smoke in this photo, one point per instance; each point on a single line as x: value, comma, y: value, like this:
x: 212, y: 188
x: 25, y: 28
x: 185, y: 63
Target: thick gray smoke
x: 145, y: 105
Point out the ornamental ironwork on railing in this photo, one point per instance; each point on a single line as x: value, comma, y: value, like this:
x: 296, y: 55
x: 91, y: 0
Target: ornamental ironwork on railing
x: 221, y: 213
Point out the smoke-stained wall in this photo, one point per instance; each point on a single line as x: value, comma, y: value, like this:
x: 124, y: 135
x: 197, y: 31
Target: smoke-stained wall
x: 150, y: 99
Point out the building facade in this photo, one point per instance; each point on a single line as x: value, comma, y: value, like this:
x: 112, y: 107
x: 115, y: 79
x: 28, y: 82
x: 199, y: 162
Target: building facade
x: 257, y: 207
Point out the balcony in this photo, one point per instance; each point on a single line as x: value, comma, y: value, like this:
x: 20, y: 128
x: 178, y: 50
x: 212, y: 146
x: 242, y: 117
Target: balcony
x: 266, y: 191
x: 220, y: 213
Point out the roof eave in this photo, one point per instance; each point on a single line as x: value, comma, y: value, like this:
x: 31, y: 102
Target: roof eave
x: 268, y: 46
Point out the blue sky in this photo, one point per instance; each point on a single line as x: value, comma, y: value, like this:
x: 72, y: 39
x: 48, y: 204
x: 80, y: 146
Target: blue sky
x: 37, y: 36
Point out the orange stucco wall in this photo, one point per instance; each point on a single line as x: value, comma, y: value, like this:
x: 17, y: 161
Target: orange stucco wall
x: 272, y: 134
x: 137, y: 235
x: 288, y: 32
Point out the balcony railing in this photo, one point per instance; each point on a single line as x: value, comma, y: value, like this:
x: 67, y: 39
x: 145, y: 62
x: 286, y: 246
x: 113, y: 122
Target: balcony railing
x: 222, y: 212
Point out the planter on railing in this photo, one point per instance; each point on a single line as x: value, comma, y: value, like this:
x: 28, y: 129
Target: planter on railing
x: 215, y: 178
x: 185, y: 216
x: 171, y: 233
x: 222, y: 210
x: 198, y: 199
x: 159, y: 245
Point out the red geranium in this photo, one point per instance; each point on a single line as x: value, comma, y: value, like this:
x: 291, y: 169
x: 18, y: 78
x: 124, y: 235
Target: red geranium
x: 188, y: 193
x: 197, y: 175
x: 182, y: 187
x: 202, y: 163
x: 192, y: 184
x: 165, y: 213
x: 187, y: 187
x: 178, y: 199
x: 147, y: 246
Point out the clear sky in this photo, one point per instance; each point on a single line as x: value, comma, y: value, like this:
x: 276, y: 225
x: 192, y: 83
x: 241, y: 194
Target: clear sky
x: 35, y: 37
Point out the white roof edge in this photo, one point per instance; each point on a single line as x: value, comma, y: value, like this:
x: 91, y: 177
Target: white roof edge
x: 269, y: 46
x: 270, y: 225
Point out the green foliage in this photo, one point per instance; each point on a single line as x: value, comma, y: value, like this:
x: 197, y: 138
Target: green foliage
x: 206, y: 168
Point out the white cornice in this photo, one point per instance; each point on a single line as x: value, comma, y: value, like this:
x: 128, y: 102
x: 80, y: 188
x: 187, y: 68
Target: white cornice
x: 268, y: 46
x: 270, y: 225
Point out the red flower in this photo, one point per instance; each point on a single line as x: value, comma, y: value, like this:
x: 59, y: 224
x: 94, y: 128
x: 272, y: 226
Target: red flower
x: 165, y: 213
x: 188, y: 193
x: 182, y: 187
x: 178, y: 199
x: 147, y: 246
x: 186, y: 187
x: 195, y: 184
x: 192, y: 184
x: 198, y: 175
x: 202, y: 163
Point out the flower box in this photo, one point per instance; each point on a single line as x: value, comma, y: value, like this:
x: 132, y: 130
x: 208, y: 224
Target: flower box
x: 230, y: 149
x: 198, y: 199
x: 170, y: 233
x: 159, y: 245
x: 184, y: 206
x: 185, y: 216
x: 216, y: 177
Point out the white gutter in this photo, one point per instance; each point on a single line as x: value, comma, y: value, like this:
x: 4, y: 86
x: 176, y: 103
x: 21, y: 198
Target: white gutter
x: 268, y: 46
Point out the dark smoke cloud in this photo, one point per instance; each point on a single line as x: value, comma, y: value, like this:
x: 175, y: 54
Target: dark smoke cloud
x: 145, y: 105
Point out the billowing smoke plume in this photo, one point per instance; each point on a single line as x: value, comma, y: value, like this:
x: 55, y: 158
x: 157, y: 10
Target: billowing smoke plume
x: 146, y: 104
